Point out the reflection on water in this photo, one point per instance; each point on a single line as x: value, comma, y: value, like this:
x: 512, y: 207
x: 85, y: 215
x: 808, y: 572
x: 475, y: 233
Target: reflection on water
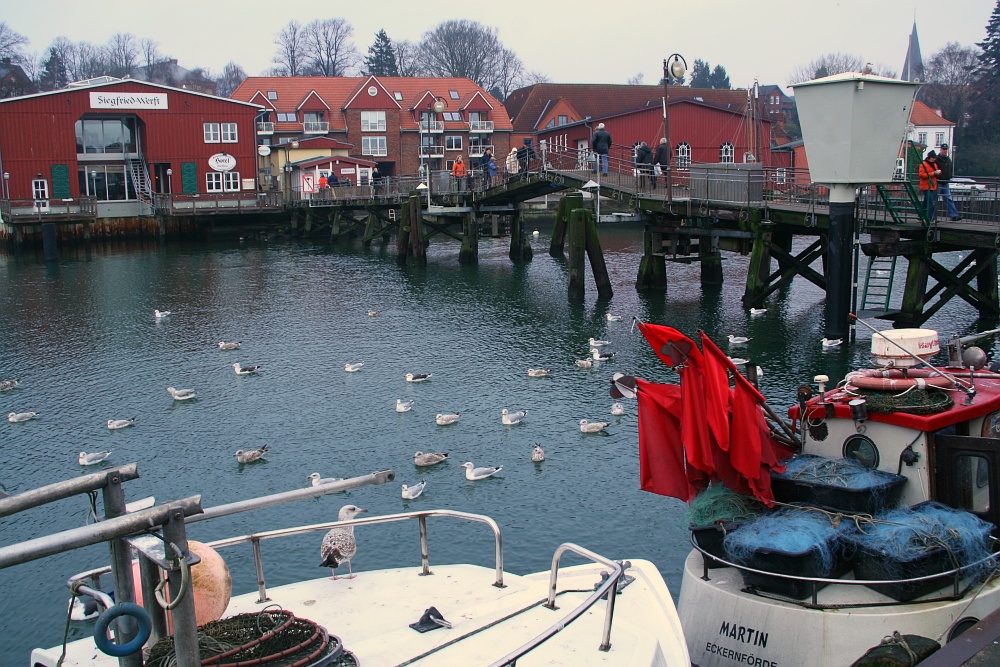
x: 81, y: 336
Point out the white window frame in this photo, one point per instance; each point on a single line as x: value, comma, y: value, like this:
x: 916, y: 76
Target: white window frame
x: 922, y: 138
x: 229, y: 133
x: 727, y: 153
x: 231, y: 181
x: 683, y: 155
x: 373, y: 121
x: 213, y: 181
x: 374, y: 145
x: 211, y: 131
x: 453, y: 142
x: 285, y: 117
x: 781, y: 176
x: 938, y: 139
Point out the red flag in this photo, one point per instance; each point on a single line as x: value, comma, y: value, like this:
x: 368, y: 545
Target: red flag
x: 662, y: 468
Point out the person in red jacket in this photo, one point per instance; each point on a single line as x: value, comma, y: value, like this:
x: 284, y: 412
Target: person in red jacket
x: 928, y: 172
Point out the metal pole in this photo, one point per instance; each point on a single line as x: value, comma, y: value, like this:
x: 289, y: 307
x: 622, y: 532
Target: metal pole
x: 666, y: 130
x: 121, y: 568
x: 60, y: 490
x: 185, y: 625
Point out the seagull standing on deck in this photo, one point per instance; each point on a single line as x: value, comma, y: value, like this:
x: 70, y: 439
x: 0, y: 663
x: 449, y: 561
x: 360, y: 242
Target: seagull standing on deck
x: 93, y: 458
x: 181, y: 394
x: 512, y: 418
x: 738, y: 340
x: 353, y: 367
x: 418, y: 377
x: 474, y: 474
x: 245, y: 370
x: 229, y: 345
x: 429, y: 459
x: 114, y: 424
x: 413, y: 492
x: 403, y: 406
x: 338, y: 545
x: 250, y: 456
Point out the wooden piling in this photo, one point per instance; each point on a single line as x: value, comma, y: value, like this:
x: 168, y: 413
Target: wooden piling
x: 986, y: 281
x: 566, y: 205
x: 418, y: 246
x: 403, y: 235
x: 652, y: 267
x: 596, y: 256
x: 370, y: 226
x: 577, y: 233
x: 711, y: 260
x: 469, y: 254
x: 520, y: 248
x: 759, y: 269
x: 915, y: 292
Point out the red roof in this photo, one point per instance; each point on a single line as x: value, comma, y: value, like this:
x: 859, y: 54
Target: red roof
x: 527, y: 106
x: 339, y: 93
x: 924, y: 115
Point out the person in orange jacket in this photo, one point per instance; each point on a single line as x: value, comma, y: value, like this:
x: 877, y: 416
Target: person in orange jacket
x: 928, y: 172
x: 458, y: 172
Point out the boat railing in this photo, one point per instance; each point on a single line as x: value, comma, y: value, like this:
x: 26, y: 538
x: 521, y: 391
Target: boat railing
x: 816, y: 583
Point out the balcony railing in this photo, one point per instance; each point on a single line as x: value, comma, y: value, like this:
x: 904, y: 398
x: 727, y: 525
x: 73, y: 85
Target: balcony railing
x: 477, y: 151
x: 432, y: 126
x: 480, y: 126
x: 432, y: 151
x: 314, y: 127
x: 265, y: 128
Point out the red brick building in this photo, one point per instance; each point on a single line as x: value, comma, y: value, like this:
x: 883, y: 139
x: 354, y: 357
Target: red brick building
x: 399, y: 123
x: 122, y: 141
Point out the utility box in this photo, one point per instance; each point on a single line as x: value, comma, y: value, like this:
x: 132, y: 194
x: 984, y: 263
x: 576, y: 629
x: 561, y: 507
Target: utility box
x: 853, y: 126
x: 739, y: 183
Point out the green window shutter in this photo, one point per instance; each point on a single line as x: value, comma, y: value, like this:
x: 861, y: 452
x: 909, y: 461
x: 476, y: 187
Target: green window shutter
x: 189, y: 178
x: 60, y: 181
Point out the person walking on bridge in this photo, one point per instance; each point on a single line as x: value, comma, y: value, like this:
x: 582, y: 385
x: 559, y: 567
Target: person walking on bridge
x: 601, y: 145
x: 928, y: 172
x: 661, y: 161
x: 947, y: 168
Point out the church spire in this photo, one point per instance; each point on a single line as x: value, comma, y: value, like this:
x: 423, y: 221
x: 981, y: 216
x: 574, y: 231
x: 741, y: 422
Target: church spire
x: 913, y: 67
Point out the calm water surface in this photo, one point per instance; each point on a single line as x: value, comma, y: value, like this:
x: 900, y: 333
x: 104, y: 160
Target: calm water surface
x: 81, y: 336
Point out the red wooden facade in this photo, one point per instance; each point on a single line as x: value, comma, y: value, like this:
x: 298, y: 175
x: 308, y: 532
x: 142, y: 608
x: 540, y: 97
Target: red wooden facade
x: 88, y: 140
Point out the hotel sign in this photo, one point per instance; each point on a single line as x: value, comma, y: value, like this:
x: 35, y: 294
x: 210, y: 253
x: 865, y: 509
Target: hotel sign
x: 99, y: 100
x: 222, y: 162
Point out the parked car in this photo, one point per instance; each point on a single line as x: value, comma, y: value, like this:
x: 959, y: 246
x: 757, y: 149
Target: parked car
x: 966, y: 185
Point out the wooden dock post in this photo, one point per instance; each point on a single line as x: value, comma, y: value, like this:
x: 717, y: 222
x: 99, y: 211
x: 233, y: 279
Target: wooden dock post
x: 418, y: 246
x: 577, y: 233
x: 566, y: 205
x: 50, y: 249
x: 469, y: 254
x: 596, y: 256
x: 711, y: 260
x: 520, y: 247
x: 915, y: 292
x: 652, y: 267
x: 403, y: 235
x: 986, y: 281
x: 369, y: 230
x: 759, y: 269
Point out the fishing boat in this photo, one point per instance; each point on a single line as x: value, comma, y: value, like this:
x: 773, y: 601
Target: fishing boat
x: 602, y: 612
x: 928, y: 434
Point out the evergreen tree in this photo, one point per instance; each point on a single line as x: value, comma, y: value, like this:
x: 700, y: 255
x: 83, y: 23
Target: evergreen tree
x: 981, y: 139
x: 701, y: 76
x: 720, y: 79
x: 381, y: 58
x: 55, y: 74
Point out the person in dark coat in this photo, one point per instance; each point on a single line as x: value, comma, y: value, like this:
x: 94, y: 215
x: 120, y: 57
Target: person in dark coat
x: 944, y: 182
x: 601, y: 145
x: 525, y: 156
x: 661, y: 159
x: 484, y: 166
x: 644, y: 164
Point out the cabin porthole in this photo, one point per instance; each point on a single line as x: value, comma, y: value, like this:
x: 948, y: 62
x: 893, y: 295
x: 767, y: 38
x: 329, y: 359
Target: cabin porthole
x: 861, y: 449
x: 961, y: 627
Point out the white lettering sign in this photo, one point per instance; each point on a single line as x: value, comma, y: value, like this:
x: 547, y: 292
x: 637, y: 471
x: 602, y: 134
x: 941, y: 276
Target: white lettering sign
x: 347, y: 170
x: 222, y: 162
x: 104, y: 100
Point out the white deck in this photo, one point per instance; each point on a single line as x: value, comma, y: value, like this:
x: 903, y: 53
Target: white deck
x: 372, y: 612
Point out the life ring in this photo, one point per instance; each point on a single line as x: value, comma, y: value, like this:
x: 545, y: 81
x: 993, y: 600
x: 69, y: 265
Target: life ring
x: 107, y: 646
x: 894, y: 379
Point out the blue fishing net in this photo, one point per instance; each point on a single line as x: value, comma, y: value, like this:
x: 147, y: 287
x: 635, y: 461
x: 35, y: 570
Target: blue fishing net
x: 910, y: 533
x: 793, y: 531
x: 846, y: 473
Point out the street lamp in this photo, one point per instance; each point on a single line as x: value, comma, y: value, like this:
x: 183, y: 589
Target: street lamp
x: 93, y: 181
x: 170, y: 181
x: 6, y: 185
x: 673, y: 66
x: 288, y: 167
x: 436, y: 105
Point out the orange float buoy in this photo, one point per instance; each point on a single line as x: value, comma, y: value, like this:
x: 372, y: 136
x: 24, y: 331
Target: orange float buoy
x: 211, y: 584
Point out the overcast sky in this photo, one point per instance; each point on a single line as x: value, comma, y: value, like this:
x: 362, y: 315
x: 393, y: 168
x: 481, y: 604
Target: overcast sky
x: 569, y: 42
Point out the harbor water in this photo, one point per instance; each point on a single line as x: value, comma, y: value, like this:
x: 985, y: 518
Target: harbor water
x: 81, y: 337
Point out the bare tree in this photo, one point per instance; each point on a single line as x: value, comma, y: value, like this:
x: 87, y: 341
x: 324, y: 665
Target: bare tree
x: 950, y: 74
x: 12, y: 43
x: 636, y: 80
x: 232, y: 76
x: 535, y: 77
x: 155, y: 65
x: 463, y: 48
x: 835, y: 63
x: 327, y: 47
x: 123, y: 53
x: 290, y: 56
x: 406, y: 58
x: 509, y: 74
x: 31, y: 64
x: 89, y: 61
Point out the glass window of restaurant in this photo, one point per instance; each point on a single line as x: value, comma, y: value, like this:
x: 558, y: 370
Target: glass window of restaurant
x: 103, y: 136
x: 105, y: 182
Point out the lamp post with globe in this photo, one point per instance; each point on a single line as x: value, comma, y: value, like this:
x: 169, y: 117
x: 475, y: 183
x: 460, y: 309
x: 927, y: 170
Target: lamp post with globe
x: 674, y: 66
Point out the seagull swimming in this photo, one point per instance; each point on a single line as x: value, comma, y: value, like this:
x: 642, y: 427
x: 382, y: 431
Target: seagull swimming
x: 512, y: 418
x: 317, y: 480
x: 6, y: 385
x: 758, y: 311
x: 353, y: 367
x: 403, y: 406
x: 614, y: 318
x: 338, y: 545
x: 373, y: 313
x: 229, y: 345
x: 245, y: 370
x: 831, y: 342
x: 592, y: 427
x: 250, y: 456
x: 594, y: 342
x: 585, y: 363
x: 443, y: 419
x: 600, y: 356
x: 537, y: 455
x: 737, y: 340
x: 413, y: 492
x: 93, y: 458
x: 160, y: 314
x: 429, y: 459
x: 114, y: 424
x: 181, y: 394
x: 15, y: 417
x: 738, y: 361
x: 617, y: 409
x: 474, y: 474
x: 418, y: 377
x: 538, y: 372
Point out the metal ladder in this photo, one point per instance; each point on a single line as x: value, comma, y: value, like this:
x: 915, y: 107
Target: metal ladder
x: 139, y: 174
x: 878, y: 284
